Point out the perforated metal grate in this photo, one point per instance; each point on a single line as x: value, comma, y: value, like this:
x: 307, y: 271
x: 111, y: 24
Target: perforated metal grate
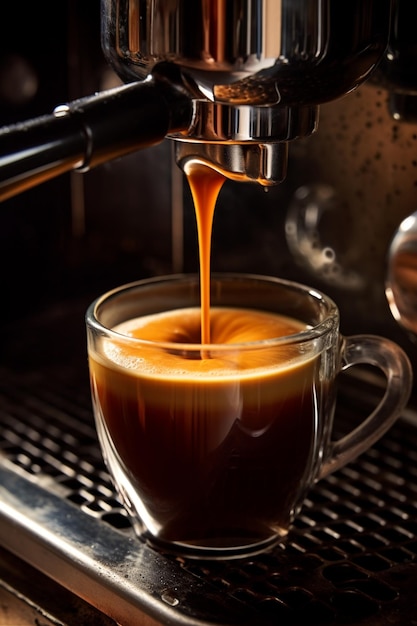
x: 351, y: 558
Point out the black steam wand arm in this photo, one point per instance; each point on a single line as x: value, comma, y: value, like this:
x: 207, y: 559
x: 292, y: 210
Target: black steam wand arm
x: 89, y: 131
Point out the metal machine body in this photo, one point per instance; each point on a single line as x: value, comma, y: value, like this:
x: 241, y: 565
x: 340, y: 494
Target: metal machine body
x: 239, y: 80
x: 256, y: 71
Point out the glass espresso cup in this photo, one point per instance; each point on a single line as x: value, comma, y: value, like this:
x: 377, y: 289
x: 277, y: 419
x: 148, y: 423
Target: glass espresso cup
x: 213, y: 447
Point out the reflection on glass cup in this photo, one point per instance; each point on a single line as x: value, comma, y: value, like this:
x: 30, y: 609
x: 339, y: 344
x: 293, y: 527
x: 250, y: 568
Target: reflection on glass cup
x: 213, y: 447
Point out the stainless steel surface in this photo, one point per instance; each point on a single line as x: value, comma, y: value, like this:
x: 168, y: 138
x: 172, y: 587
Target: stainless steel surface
x: 108, y: 569
x: 264, y: 163
x: 255, y: 53
x: 29, y: 598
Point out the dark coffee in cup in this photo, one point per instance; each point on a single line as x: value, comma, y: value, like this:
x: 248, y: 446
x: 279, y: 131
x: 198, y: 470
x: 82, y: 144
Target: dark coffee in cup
x: 207, y: 438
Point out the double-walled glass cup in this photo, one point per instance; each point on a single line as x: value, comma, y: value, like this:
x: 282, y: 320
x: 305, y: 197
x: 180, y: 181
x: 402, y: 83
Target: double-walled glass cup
x: 213, y: 447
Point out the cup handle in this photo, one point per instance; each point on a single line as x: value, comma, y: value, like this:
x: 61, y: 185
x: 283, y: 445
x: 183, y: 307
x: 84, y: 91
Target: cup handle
x: 394, y: 363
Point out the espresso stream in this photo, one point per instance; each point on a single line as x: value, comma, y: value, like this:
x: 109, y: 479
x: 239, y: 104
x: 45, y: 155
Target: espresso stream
x: 218, y: 445
x: 205, y: 185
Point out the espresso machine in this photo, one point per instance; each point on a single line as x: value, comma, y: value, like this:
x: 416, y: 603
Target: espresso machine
x: 308, y: 109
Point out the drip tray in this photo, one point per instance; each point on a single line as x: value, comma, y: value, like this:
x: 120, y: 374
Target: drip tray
x: 351, y: 558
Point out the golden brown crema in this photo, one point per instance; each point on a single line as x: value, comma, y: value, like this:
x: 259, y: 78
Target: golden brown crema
x: 229, y: 327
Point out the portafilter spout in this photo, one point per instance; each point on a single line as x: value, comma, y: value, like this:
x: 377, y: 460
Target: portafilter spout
x: 231, y: 81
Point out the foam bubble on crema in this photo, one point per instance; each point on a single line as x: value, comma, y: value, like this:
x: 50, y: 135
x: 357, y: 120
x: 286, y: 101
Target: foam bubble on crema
x: 228, y: 326
x: 117, y: 355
